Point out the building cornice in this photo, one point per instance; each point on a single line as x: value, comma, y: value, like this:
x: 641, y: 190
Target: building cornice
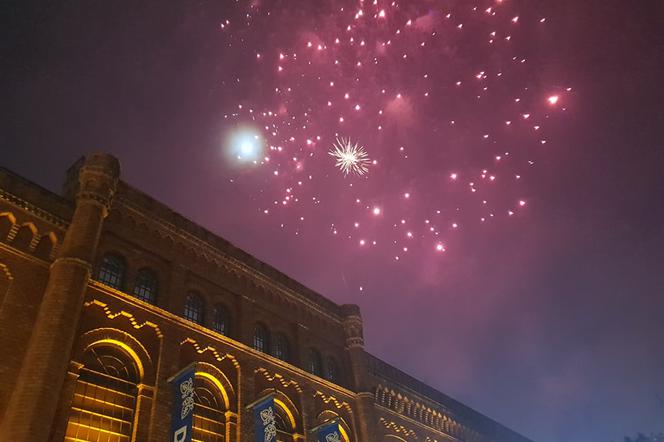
x: 211, y: 334
x: 231, y: 263
x: 39, y: 213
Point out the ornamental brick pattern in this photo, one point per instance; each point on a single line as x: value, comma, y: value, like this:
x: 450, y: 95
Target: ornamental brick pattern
x: 93, y: 290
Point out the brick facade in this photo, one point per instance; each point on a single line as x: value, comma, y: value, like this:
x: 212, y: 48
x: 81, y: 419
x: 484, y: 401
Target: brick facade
x: 94, y: 289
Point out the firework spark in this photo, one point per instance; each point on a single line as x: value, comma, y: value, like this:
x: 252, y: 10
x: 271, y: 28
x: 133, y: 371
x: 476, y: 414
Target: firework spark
x: 351, y: 157
x: 378, y: 71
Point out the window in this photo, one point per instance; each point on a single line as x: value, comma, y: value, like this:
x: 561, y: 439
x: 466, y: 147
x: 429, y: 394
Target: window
x: 24, y: 236
x: 261, y: 338
x: 285, y: 429
x: 209, y: 411
x: 331, y: 370
x: 145, y: 288
x: 112, y: 271
x: 314, y: 363
x: 102, y: 408
x: 280, y: 348
x: 193, y: 308
x: 220, y: 320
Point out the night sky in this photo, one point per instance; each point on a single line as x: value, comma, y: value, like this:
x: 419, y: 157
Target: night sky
x: 506, y: 242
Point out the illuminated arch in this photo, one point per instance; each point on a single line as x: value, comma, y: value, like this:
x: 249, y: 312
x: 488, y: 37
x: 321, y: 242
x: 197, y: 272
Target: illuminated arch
x: 126, y: 348
x: 131, y: 345
x: 285, y: 408
x: 105, y: 396
x: 344, y: 428
x: 211, y: 403
x: 7, y: 221
x: 219, y: 379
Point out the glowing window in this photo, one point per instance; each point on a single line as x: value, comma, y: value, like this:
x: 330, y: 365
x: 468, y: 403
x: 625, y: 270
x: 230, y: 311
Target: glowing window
x: 193, y: 308
x: 280, y: 349
x: 102, y: 408
x: 145, y: 288
x: 285, y: 430
x: 209, y: 412
x: 314, y: 363
x: 261, y: 337
x: 220, y: 320
x: 112, y: 271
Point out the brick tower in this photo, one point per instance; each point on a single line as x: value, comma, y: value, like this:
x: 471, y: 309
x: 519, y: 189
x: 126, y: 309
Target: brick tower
x: 353, y: 330
x: 32, y: 406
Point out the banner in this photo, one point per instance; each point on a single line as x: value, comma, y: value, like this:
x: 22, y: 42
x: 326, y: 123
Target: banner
x: 182, y: 416
x: 329, y: 433
x: 265, y: 427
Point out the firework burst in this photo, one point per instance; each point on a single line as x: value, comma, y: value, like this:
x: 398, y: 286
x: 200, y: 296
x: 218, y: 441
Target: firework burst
x: 351, y: 157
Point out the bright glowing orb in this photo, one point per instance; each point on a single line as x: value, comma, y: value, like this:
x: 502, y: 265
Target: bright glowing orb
x: 553, y: 99
x: 245, y: 145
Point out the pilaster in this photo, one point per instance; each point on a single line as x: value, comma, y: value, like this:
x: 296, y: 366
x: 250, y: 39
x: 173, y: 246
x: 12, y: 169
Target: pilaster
x: 141, y: 424
x: 169, y: 364
x: 365, y: 417
x: 67, y: 396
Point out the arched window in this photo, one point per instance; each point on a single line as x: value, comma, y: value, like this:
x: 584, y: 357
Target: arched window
x: 328, y: 416
x: 7, y: 220
x: 221, y: 320
x: 145, y: 287
x: 105, y: 396
x: 331, y: 370
x: 193, y: 308
x: 281, y: 421
x: 45, y: 246
x: 261, y: 338
x: 209, y: 412
x: 24, y: 236
x: 280, y: 349
x: 112, y: 271
x: 314, y: 362
x: 285, y: 430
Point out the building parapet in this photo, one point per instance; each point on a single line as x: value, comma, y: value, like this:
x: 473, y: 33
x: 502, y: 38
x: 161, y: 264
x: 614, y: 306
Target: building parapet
x: 444, y: 405
x: 147, y: 205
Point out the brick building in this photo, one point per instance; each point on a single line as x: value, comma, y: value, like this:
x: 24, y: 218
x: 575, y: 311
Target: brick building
x: 105, y: 293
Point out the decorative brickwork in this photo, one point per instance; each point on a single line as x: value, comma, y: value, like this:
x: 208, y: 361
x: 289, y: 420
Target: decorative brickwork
x: 95, y: 319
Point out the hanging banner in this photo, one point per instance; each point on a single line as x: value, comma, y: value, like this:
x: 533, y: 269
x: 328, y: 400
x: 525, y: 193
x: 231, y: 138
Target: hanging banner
x: 265, y: 426
x: 182, y: 416
x: 329, y: 433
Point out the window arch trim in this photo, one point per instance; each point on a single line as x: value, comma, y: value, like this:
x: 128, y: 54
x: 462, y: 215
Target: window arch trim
x: 329, y: 415
x: 286, y: 404
x: 217, y: 383
x: 288, y: 412
x: 126, y: 348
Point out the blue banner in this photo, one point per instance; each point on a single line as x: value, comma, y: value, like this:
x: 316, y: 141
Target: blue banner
x: 329, y: 433
x: 182, y: 418
x: 265, y: 426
